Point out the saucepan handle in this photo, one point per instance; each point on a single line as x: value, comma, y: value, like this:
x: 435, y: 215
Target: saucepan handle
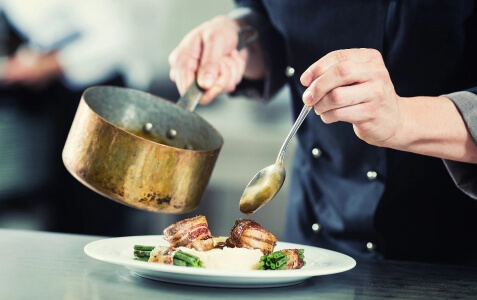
x: 190, y: 99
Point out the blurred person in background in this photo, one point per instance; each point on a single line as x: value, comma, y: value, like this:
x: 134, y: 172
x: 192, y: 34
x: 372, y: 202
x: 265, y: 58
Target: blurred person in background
x: 51, y: 50
x: 347, y: 194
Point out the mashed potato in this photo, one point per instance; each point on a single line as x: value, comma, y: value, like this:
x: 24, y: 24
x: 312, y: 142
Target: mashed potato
x: 228, y: 258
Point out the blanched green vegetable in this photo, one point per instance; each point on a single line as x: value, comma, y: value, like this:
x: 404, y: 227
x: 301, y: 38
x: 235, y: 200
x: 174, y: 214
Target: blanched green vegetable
x: 179, y: 258
x: 283, y: 260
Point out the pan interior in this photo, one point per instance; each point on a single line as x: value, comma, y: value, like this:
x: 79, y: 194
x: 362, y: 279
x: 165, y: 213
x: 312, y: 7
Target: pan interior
x: 152, y: 117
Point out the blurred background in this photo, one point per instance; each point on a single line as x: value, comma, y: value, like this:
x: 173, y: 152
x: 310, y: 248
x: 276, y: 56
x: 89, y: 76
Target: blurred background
x: 36, y: 191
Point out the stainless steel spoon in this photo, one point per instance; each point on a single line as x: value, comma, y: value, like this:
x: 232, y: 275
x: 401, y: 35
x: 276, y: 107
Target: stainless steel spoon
x: 266, y: 183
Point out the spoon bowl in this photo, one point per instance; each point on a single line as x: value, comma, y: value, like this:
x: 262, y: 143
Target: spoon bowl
x: 268, y: 182
x: 262, y: 188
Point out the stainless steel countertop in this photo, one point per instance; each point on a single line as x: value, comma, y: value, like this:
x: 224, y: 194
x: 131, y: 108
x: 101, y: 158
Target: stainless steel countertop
x: 43, y: 265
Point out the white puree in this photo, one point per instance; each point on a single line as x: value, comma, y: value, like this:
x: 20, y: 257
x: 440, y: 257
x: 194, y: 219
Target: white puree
x: 228, y: 258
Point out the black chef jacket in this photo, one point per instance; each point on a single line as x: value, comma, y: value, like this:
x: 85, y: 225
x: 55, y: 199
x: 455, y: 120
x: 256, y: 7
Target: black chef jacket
x: 345, y: 194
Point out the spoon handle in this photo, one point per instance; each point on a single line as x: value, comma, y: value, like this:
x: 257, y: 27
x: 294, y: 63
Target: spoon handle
x: 304, y: 112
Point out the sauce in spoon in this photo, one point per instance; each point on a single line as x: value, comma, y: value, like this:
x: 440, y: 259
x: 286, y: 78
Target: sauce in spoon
x: 266, y: 183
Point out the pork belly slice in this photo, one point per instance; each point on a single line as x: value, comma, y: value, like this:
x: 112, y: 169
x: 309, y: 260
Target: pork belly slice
x: 249, y: 234
x: 190, y: 233
x: 294, y: 259
x: 162, y: 255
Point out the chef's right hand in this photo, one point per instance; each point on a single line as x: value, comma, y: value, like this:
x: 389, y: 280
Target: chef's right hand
x: 209, y: 54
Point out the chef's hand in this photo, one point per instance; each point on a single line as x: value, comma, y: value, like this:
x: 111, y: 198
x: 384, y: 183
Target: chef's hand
x: 209, y: 52
x: 30, y: 69
x: 354, y: 86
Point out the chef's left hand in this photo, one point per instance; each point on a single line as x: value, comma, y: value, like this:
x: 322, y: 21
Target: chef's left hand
x: 354, y: 86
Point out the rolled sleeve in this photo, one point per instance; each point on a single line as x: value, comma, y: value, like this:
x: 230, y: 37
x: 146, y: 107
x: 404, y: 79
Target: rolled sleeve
x: 465, y: 174
x: 466, y: 103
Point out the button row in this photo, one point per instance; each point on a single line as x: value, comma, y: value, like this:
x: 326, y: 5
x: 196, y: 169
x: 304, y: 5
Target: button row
x: 370, y: 246
x: 371, y: 175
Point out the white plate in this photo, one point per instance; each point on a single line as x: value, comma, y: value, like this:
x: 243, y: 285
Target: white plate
x: 120, y: 251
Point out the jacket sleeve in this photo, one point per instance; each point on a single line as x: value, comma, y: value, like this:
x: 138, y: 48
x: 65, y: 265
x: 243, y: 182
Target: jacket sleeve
x: 273, y: 49
x: 465, y: 174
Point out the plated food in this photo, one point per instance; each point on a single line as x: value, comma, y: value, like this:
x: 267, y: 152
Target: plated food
x: 248, y: 247
x: 117, y: 251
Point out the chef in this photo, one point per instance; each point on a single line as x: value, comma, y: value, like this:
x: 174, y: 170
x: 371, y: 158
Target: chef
x: 348, y: 192
x: 51, y: 51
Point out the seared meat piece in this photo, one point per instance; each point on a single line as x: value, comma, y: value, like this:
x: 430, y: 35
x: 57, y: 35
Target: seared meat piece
x: 249, y: 234
x: 294, y: 259
x: 162, y: 255
x: 191, y: 233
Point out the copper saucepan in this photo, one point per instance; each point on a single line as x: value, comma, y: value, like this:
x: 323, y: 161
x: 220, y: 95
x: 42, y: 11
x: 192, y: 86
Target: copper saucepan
x: 142, y: 150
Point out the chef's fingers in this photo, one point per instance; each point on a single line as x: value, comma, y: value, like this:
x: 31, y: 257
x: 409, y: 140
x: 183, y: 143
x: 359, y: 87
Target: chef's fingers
x: 351, y: 104
x: 217, y: 43
x: 372, y: 107
x: 219, y: 85
x: 344, y: 73
x: 237, y: 65
x: 184, y: 61
x: 326, y: 62
x: 185, y: 76
x: 231, y: 70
